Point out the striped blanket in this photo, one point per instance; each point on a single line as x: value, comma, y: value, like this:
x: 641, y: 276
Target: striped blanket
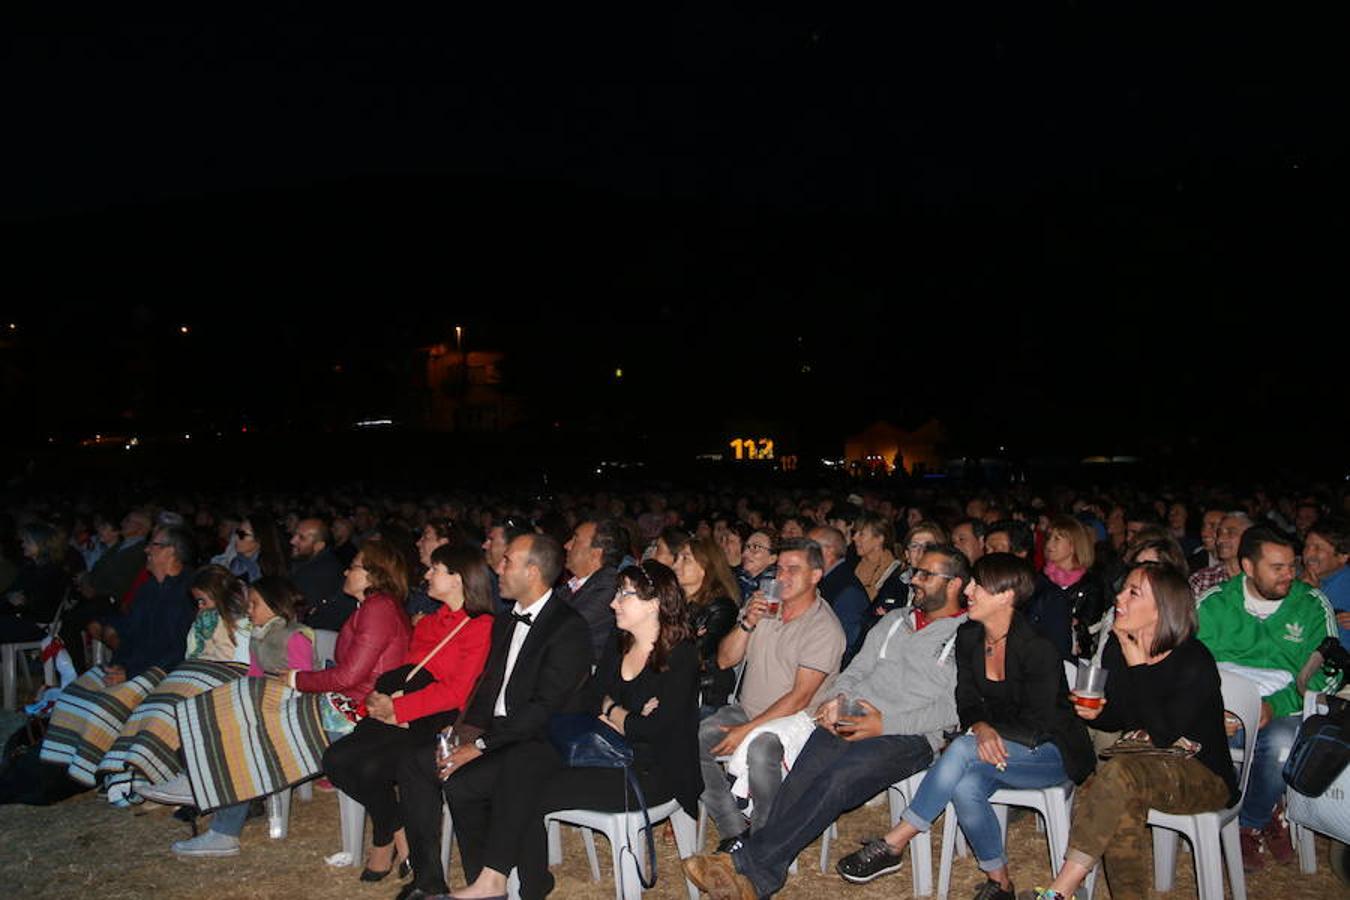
x: 89, y: 716
x: 147, y: 749
x: 250, y: 738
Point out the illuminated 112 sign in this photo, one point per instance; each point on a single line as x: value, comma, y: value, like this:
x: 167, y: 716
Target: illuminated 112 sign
x: 749, y: 448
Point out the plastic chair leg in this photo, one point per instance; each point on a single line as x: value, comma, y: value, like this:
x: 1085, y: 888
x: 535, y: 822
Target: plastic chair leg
x: 1307, y: 849
x: 1209, y: 867
x: 554, y: 843
x: 352, y: 821
x: 305, y: 791
x: 278, y: 814
x: 1232, y: 857
x: 448, y: 835
x: 588, y: 838
x: 1164, y: 858
x: 950, y: 834
x: 685, y: 846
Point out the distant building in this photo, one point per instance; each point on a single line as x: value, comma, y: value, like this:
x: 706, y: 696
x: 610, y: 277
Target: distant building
x: 463, y: 392
x: 882, y: 448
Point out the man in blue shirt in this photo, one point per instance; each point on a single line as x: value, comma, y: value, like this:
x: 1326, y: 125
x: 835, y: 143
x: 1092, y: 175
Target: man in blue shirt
x: 1325, y: 552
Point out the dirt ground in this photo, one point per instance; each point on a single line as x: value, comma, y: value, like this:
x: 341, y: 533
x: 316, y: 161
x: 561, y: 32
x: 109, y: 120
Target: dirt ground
x: 84, y: 847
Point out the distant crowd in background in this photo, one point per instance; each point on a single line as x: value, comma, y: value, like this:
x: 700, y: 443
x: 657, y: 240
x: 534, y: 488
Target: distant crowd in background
x: 851, y: 638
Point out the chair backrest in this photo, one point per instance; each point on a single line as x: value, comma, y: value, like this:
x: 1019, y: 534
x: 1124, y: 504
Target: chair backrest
x: 325, y: 644
x: 1242, y: 698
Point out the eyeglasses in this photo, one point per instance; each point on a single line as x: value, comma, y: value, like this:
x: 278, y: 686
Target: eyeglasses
x: 621, y: 594
x: 759, y: 548
x: 924, y: 573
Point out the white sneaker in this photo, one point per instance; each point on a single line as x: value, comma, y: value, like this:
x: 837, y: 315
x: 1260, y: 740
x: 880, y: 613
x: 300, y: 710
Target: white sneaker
x: 177, y: 792
x: 208, y: 843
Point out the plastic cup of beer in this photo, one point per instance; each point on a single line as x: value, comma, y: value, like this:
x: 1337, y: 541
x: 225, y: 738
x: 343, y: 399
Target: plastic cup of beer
x: 1089, y: 688
x: 772, y: 597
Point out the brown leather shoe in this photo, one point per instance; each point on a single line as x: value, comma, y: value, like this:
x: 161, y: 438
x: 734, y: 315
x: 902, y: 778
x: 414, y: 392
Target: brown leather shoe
x: 716, y: 875
x: 1277, y: 838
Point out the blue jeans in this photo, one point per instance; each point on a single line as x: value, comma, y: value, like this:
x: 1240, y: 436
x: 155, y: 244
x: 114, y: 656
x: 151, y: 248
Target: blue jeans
x: 1265, y: 788
x: 229, y: 820
x: 963, y: 779
x: 830, y: 777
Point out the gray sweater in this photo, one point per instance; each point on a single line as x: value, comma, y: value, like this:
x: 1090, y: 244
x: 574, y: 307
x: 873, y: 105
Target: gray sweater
x: 913, y: 682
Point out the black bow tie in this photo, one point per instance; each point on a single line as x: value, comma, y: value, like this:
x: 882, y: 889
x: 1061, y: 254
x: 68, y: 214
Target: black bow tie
x: 526, y: 618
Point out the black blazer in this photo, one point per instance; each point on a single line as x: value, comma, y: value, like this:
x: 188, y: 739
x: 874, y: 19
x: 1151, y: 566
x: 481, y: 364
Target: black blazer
x: 549, y: 677
x: 1038, y: 702
x: 593, y: 601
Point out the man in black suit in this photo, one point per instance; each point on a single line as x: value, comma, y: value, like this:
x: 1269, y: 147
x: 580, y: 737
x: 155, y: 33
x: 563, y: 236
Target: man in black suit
x: 538, y: 665
x: 593, y: 556
x: 842, y: 590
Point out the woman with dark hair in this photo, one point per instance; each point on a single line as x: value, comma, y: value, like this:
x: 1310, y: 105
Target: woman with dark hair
x: 759, y: 562
x: 1163, y: 688
x: 667, y: 544
x: 295, y: 713
x: 277, y: 641
x: 1070, y: 597
x: 417, y: 699
x: 1021, y: 731
x: 255, y: 549
x: 35, y: 594
x: 705, y: 579
x: 436, y: 533
x: 645, y: 688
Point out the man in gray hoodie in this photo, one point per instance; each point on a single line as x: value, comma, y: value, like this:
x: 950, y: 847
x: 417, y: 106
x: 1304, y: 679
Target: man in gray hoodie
x: 905, y: 677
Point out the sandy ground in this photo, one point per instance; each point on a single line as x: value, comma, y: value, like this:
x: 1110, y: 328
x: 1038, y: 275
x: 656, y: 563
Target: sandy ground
x: 83, y: 847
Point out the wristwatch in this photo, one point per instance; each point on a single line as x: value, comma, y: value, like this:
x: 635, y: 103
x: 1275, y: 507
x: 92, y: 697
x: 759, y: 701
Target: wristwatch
x: 480, y: 744
x: 744, y: 628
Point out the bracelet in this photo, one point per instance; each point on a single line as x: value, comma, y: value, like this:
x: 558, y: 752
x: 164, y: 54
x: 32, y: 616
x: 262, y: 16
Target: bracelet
x: 741, y: 623
x: 610, y: 708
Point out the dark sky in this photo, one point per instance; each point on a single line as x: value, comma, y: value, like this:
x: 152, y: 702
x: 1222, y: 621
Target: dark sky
x: 1064, y: 224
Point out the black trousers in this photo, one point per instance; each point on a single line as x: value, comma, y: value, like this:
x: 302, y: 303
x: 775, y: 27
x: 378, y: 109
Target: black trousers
x: 492, y: 800
x: 364, y: 765
x: 605, y: 790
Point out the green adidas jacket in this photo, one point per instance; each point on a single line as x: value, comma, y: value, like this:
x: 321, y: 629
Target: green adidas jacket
x: 1283, y: 641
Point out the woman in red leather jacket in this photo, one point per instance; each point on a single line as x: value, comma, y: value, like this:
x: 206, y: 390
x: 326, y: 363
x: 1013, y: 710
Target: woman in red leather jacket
x: 422, y: 696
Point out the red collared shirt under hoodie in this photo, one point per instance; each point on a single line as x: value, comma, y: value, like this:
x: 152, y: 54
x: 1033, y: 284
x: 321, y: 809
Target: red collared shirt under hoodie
x: 373, y: 640
x: 455, y: 666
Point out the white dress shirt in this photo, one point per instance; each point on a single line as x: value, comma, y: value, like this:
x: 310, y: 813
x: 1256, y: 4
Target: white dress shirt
x: 522, y: 631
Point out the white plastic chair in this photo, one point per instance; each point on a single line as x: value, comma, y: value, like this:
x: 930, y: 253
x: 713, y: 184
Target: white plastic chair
x: 1302, y: 835
x: 1212, y: 835
x: 628, y: 846
x: 10, y: 669
x: 920, y: 848
x: 279, y: 803
x: 352, y: 822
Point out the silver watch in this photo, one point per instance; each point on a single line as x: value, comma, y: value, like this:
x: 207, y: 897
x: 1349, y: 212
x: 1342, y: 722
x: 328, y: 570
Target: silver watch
x: 480, y: 744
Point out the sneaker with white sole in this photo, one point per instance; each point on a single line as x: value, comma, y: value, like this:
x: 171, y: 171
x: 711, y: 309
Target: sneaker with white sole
x: 175, y: 792
x: 876, y: 858
x: 208, y: 844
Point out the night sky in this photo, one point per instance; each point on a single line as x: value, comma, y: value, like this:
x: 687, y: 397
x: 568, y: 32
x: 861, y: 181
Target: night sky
x: 1066, y: 229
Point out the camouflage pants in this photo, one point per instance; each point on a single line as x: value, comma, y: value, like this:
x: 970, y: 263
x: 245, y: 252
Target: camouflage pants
x: 1111, y: 808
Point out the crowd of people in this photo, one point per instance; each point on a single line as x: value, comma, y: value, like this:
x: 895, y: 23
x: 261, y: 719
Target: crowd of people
x: 850, y: 640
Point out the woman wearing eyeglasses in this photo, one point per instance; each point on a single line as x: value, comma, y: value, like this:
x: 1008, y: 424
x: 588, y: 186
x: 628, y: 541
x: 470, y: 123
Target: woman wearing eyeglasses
x: 645, y: 688
x: 1020, y: 729
x: 759, y: 562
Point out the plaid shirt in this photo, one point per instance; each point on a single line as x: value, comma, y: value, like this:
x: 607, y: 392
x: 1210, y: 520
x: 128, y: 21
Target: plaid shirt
x: 1204, y: 579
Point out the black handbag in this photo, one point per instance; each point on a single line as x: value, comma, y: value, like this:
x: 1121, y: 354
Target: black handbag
x: 1319, y: 754
x: 584, y: 742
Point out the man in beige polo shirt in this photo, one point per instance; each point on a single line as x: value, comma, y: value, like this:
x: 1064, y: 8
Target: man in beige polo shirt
x: 790, y: 662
